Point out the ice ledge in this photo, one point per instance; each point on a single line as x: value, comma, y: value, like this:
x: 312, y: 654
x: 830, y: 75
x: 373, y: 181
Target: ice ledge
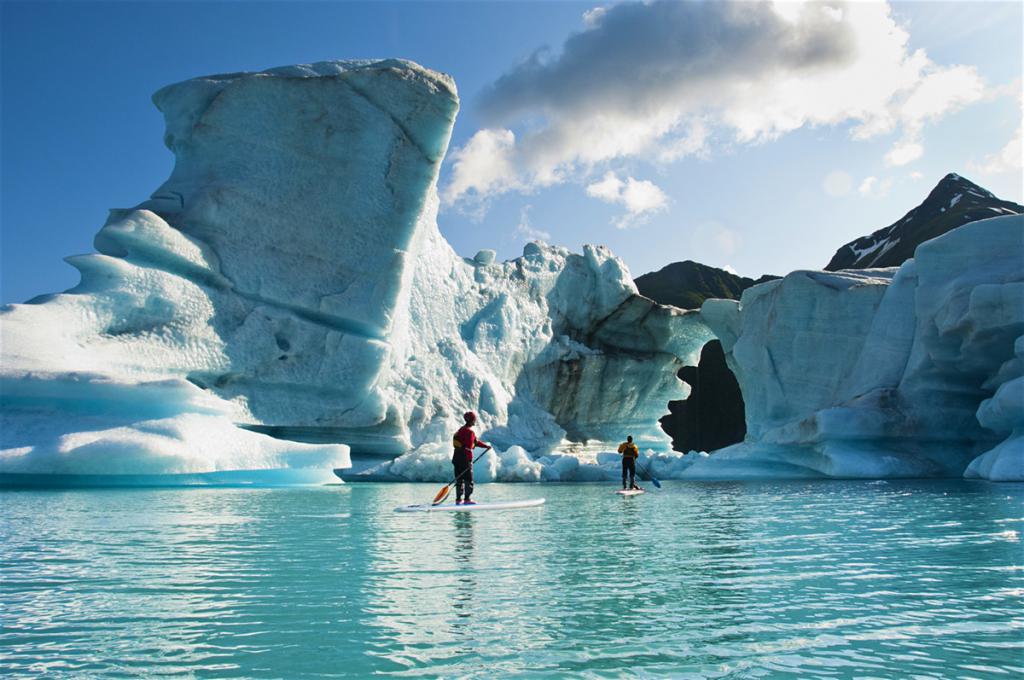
x: 185, y: 103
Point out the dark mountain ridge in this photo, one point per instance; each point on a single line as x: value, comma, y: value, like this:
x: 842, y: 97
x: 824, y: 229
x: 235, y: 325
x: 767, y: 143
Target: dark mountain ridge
x: 953, y: 202
x: 687, y: 284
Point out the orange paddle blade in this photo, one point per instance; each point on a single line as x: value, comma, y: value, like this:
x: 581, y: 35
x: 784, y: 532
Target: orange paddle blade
x: 442, y: 494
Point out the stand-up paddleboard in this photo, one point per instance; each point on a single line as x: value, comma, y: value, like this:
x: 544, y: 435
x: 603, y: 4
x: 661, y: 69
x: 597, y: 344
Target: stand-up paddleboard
x: 630, y: 492
x: 506, y: 505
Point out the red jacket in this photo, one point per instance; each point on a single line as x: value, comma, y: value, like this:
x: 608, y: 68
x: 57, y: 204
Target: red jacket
x: 465, y: 441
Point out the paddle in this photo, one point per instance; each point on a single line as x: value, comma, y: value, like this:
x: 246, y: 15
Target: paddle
x: 447, y: 488
x: 643, y: 469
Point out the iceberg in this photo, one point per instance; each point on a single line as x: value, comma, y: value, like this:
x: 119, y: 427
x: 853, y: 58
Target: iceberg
x: 908, y: 372
x: 284, y: 305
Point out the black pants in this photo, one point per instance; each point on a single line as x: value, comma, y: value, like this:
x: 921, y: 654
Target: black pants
x: 463, y: 476
x: 629, y: 465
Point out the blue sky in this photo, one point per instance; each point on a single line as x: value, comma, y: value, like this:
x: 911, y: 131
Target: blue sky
x: 665, y: 131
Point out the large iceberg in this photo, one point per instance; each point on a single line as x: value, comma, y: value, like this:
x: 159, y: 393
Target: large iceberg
x: 284, y: 304
x: 909, y: 372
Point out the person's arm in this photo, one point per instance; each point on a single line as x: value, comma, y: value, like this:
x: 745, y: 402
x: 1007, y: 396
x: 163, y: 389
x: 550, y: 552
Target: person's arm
x: 482, y: 444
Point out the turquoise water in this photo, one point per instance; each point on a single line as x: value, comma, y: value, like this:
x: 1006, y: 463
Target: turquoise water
x: 823, y: 579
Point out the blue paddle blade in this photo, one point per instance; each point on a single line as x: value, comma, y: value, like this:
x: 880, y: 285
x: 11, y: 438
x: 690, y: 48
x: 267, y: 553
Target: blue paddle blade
x: 655, y: 482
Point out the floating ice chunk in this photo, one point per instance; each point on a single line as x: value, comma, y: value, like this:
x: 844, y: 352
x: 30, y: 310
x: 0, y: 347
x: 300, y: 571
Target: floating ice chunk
x: 433, y: 463
x: 88, y: 425
x: 511, y: 465
x: 834, y: 460
x: 758, y: 461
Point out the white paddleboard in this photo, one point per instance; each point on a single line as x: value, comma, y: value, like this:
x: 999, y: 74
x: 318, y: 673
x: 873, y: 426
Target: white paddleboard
x: 630, y: 492
x: 451, y: 507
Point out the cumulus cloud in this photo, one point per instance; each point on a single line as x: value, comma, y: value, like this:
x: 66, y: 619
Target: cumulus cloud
x: 664, y: 80
x: 937, y: 93
x: 872, y: 187
x: 640, y: 197
x: 485, y: 165
x: 903, y: 152
x: 1008, y: 159
x: 526, y: 229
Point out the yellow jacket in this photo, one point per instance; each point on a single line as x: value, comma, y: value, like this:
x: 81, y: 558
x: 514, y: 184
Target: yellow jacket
x: 629, y: 449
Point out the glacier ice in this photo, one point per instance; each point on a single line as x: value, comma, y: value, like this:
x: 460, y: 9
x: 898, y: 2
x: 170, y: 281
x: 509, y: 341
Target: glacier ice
x: 284, y: 305
x: 914, y: 372
x: 116, y: 431
x: 432, y: 463
x: 284, y: 302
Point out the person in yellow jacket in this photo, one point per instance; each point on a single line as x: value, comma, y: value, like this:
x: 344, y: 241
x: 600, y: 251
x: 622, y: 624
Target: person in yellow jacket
x: 629, y: 453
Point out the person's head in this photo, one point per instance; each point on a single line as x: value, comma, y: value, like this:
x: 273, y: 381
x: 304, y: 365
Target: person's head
x: 469, y: 417
x: 629, y: 439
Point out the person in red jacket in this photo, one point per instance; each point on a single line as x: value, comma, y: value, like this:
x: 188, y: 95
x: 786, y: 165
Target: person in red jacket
x: 464, y: 442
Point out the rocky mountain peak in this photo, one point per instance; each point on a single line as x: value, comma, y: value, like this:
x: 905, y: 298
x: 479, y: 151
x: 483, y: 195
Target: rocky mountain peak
x: 954, y: 202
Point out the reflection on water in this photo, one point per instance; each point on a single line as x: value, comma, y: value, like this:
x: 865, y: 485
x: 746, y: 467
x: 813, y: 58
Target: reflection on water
x: 836, y: 579
x: 463, y: 553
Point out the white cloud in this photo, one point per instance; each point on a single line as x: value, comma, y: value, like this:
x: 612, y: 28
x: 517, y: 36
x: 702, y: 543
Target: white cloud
x: 484, y: 166
x: 641, y: 198
x: 729, y: 268
x: 837, y: 183
x: 872, y: 187
x: 608, y: 189
x: 666, y: 79
x: 903, y: 152
x: 915, y: 175
x: 593, y: 16
x: 1008, y: 159
x: 527, y: 230
x: 690, y: 140
x: 939, y: 92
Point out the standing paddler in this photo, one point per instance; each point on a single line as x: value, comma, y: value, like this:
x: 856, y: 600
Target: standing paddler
x: 629, y: 452
x: 464, y: 442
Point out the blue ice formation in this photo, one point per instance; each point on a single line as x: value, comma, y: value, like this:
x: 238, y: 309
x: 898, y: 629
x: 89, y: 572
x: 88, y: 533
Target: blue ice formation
x: 284, y: 303
x: 909, y: 372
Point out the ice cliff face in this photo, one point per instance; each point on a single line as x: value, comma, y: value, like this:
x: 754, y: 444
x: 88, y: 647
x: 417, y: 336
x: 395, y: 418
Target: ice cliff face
x: 912, y: 372
x: 288, y: 284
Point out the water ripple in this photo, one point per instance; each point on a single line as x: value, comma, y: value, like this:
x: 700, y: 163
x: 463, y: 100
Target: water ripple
x: 710, y: 580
